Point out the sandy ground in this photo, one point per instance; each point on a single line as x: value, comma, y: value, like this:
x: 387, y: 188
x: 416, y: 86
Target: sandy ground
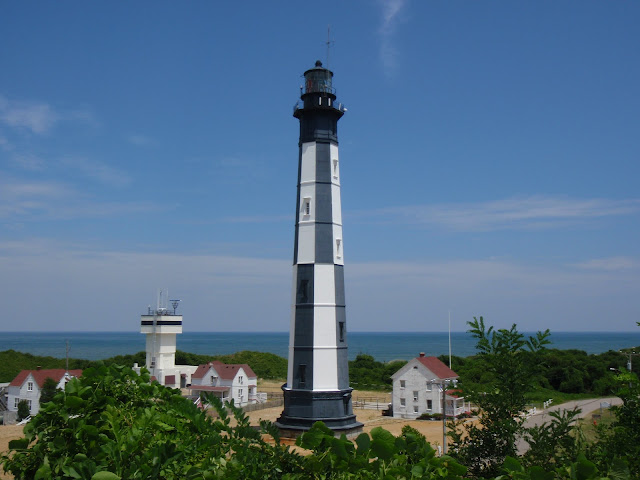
x: 371, y: 419
x: 7, y: 433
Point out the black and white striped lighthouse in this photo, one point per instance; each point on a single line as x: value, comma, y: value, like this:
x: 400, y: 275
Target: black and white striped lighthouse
x: 317, y: 387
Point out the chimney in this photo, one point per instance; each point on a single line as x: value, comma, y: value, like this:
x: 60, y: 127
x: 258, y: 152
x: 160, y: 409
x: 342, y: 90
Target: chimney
x: 421, y: 354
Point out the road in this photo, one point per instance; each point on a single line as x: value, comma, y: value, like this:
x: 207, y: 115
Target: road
x: 587, y: 407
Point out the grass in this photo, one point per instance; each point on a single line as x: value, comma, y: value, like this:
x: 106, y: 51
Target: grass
x: 590, y: 425
x: 541, y: 395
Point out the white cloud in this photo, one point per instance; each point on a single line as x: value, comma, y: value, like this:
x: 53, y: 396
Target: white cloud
x: 37, y: 117
x: 388, y: 52
x: 535, y: 212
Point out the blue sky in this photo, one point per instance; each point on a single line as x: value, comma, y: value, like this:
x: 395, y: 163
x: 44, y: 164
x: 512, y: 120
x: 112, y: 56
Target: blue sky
x: 490, y: 162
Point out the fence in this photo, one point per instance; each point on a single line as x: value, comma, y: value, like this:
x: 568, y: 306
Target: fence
x: 372, y: 403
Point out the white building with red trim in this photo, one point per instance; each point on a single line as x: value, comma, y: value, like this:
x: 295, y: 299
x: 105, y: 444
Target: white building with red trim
x: 228, y: 382
x: 417, y: 389
x: 28, y: 386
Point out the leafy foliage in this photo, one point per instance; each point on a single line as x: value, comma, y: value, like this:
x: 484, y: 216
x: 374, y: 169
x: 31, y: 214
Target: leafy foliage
x: 381, y: 455
x: 12, y: 362
x: 622, y: 440
x: 553, y: 443
x: 49, y: 389
x: 511, y: 375
x: 23, y: 409
x: 365, y: 373
x: 112, y: 420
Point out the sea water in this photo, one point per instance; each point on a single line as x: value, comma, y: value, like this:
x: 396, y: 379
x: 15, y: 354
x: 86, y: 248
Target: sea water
x: 383, y: 346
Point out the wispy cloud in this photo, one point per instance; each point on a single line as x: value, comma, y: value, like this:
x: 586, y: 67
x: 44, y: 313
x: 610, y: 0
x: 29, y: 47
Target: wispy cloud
x: 259, y: 219
x: 382, y: 296
x: 390, y: 16
x: 28, y: 161
x: 39, y: 117
x: 609, y: 264
x: 26, y: 198
x: 5, y: 144
x: 534, y: 212
x: 37, y: 200
x: 35, y: 116
x: 141, y: 140
x: 98, y: 171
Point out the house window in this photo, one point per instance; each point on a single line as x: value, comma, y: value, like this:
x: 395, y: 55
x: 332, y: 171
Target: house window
x: 428, y: 386
x: 29, y: 402
x: 403, y: 402
x: 402, y: 383
x: 415, y: 409
x: 341, y: 326
x: 429, y: 404
x: 16, y: 401
x: 213, y: 380
x: 415, y: 395
x: 240, y: 393
x: 30, y: 386
x: 240, y: 380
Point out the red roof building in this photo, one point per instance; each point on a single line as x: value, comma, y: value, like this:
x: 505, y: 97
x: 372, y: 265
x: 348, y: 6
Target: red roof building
x: 28, y: 384
x: 418, y: 387
x: 236, y: 382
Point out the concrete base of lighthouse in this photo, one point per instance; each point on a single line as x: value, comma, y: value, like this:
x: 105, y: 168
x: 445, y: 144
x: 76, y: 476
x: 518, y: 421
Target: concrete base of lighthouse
x: 303, y: 408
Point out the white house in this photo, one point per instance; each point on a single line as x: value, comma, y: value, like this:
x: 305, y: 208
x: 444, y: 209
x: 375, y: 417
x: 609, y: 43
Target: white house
x: 227, y: 382
x: 28, y: 385
x: 417, y: 389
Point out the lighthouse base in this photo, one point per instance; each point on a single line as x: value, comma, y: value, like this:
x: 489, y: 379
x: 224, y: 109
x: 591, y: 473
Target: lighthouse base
x: 303, y: 408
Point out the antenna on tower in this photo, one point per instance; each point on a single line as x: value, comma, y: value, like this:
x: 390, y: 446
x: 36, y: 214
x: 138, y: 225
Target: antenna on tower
x: 329, y: 43
x: 174, y: 304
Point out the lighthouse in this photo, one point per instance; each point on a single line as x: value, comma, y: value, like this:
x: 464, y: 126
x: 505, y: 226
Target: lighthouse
x: 317, y: 387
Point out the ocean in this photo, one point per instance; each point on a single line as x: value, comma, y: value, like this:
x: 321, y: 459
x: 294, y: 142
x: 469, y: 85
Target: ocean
x: 383, y: 346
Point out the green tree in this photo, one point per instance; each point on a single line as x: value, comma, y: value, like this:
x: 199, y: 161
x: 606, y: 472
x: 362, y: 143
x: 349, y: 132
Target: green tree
x: 511, y: 370
x: 49, y: 390
x: 622, y: 440
x: 23, y: 410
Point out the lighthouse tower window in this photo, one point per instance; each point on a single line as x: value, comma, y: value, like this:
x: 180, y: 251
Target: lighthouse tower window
x: 306, y: 206
x: 338, y: 248
x: 335, y: 168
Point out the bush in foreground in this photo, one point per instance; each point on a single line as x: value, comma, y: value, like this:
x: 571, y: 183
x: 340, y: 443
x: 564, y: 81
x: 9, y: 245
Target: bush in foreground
x: 112, y: 424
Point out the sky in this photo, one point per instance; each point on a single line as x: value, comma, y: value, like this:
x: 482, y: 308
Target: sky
x: 490, y: 162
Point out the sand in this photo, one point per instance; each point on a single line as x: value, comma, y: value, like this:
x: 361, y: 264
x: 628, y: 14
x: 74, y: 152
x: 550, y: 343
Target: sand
x: 8, y: 433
